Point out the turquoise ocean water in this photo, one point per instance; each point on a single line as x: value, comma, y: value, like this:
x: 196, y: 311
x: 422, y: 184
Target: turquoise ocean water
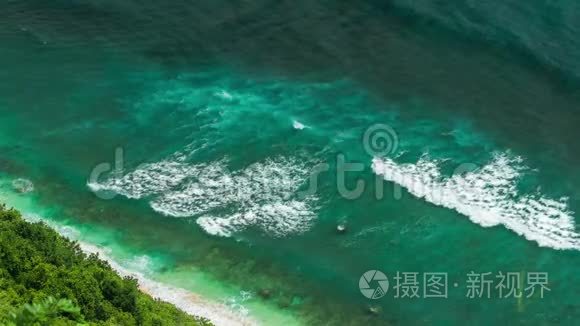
x: 199, y: 144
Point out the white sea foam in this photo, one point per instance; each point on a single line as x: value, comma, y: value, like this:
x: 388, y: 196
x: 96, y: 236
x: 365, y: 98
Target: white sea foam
x: 149, y: 179
x: 489, y: 197
x: 279, y: 219
x: 236, y: 303
x: 64, y: 230
x: 22, y: 185
x: 223, y: 201
x: 298, y: 125
x: 141, y: 263
x: 260, y: 195
x: 223, y: 94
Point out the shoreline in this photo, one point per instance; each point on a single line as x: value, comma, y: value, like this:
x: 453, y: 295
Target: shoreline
x: 189, y: 302
x: 193, y: 291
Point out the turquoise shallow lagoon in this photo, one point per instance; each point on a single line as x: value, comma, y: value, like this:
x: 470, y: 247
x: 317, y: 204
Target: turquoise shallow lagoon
x: 202, y: 147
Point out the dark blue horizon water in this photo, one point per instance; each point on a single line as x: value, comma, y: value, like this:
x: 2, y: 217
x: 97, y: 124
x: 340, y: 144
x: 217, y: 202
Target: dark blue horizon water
x: 223, y: 109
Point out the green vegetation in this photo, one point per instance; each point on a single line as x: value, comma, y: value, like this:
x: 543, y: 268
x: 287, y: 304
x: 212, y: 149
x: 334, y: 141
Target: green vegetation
x: 45, y: 279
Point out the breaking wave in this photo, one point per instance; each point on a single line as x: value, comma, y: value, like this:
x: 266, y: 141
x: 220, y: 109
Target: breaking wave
x: 489, y: 196
x: 262, y: 195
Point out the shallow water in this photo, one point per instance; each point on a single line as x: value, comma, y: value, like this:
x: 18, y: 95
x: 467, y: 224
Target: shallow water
x: 201, y: 129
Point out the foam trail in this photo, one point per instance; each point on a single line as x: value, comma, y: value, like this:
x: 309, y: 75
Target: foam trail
x: 261, y: 195
x: 148, y: 179
x: 223, y: 94
x: 223, y: 201
x: 298, y: 125
x: 489, y: 197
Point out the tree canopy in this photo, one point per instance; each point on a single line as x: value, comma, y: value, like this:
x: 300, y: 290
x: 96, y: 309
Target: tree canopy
x: 45, y: 279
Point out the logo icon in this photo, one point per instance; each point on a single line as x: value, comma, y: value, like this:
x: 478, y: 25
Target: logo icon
x: 380, y: 140
x: 373, y: 284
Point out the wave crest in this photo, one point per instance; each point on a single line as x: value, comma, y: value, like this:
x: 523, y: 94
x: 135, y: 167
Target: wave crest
x: 488, y: 196
x: 262, y: 195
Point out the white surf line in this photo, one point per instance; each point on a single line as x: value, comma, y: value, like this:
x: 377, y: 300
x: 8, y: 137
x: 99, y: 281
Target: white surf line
x: 262, y: 193
x: 489, y: 197
x: 191, y: 303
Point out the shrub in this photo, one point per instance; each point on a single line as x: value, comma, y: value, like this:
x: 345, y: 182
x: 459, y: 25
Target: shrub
x: 45, y: 279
